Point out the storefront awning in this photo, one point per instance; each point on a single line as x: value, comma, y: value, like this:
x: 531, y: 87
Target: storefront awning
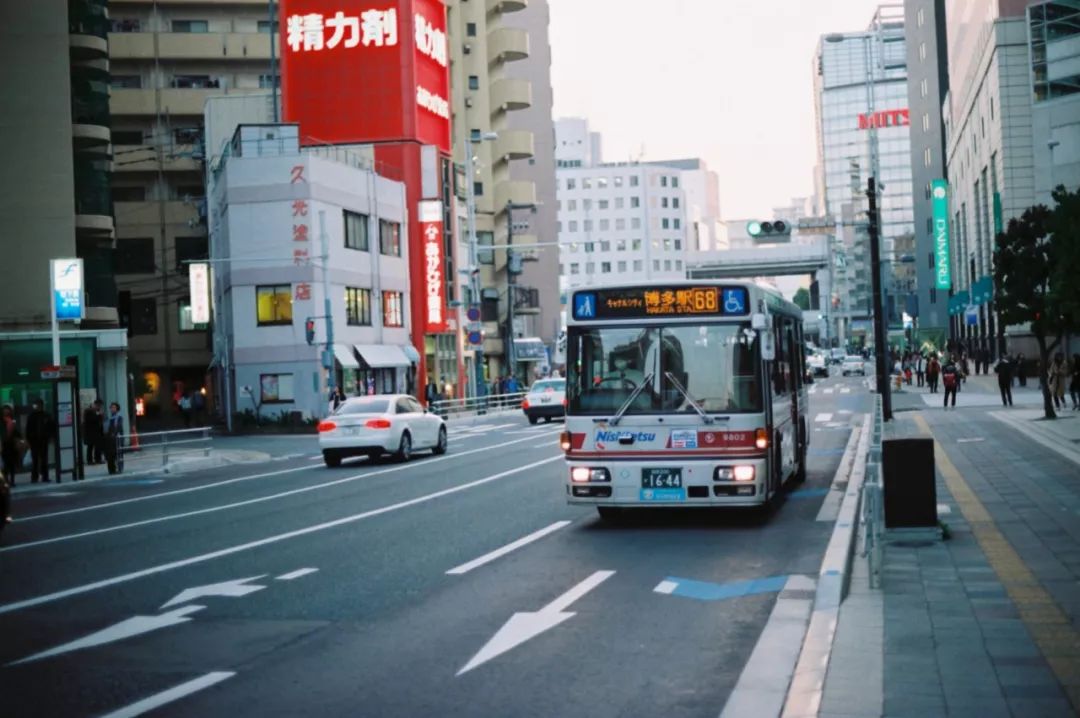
x: 345, y: 357
x: 530, y: 349
x: 411, y: 353
x: 382, y: 356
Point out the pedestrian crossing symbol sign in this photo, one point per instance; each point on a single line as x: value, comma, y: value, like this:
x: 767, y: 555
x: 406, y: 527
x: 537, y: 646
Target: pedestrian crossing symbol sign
x: 585, y: 305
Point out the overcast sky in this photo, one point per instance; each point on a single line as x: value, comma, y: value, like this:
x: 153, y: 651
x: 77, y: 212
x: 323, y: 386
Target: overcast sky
x: 725, y: 80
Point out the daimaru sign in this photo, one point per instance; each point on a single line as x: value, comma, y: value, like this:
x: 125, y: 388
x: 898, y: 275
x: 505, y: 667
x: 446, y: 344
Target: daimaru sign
x: 939, y: 192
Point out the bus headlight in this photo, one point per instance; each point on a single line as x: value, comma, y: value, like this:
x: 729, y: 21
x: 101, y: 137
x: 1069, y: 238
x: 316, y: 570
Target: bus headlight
x: 723, y: 473
x: 744, y: 473
x: 584, y: 474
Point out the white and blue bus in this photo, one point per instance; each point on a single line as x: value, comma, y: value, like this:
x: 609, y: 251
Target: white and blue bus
x: 685, y: 394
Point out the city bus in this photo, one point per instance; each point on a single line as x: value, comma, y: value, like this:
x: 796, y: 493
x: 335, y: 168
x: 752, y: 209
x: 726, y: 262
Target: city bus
x: 684, y: 394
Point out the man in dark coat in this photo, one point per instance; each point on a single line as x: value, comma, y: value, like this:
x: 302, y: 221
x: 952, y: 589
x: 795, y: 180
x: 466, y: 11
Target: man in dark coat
x: 39, y: 434
x: 1004, y: 371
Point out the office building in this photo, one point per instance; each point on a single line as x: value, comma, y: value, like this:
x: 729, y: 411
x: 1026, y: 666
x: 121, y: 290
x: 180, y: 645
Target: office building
x: 1054, y: 34
x: 54, y: 192
x: 860, y: 87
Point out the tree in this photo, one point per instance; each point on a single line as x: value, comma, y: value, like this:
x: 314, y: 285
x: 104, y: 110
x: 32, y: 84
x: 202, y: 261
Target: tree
x: 802, y: 298
x: 1033, y: 259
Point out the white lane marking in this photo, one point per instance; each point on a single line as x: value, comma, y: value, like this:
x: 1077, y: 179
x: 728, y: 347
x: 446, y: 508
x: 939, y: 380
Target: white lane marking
x: 247, y: 502
x: 971, y: 440
x: 230, y: 589
x: 175, y: 693
x: 812, y: 390
x: 525, y: 625
x: 298, y: 573
x: 830, y: 507
x: 830, y: 390
x: 513, y: 546
x: 844, y: 411
x: 665, y: 587
x: 161, y: 568
x: 57, y: 494
x: 823, y: 417
x: 846, y: 390
x: 127, y: 628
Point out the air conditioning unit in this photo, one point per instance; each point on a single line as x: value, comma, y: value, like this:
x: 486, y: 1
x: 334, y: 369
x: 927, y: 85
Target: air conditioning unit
x: 468, y: 102
x: 467, y: 49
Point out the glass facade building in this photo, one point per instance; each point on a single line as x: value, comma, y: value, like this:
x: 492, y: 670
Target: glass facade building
x: 861, y: 103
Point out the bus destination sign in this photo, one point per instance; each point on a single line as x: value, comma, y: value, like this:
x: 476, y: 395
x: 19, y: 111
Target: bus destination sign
x: 647, y: 302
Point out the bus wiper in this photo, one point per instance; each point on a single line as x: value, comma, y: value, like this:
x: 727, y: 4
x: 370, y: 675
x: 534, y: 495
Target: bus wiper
x: 630, y: 400
x: 682, y: 390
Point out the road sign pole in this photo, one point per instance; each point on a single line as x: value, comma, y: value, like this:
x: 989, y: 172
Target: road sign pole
x: 55, y: 325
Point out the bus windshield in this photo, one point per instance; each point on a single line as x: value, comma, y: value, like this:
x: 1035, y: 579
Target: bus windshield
x: 717, y: 365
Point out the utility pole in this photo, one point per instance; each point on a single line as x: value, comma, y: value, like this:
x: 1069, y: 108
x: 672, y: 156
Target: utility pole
x: 880, y: 338
x: 511, y: 288
x: 328, y: 357
x: 273, y: 59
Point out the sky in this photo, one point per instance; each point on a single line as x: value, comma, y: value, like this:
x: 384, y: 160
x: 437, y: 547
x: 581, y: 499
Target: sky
x: 729, y: 81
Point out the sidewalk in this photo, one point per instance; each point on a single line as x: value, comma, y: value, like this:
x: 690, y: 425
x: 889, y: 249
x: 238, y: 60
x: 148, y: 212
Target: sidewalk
x: 986, y: 623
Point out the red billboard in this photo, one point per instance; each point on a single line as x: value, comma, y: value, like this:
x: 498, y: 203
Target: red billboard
x: 431, y: 233
x: 359, y: 71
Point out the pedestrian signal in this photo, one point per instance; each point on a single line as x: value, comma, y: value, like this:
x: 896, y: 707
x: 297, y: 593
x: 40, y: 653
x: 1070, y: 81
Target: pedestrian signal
x: 309, y: 329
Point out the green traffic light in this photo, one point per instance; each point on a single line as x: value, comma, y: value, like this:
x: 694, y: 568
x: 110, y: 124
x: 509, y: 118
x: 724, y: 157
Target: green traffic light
x: 753, y: 228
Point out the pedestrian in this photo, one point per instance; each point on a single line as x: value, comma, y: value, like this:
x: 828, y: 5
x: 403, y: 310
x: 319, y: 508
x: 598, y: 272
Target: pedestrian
x: 114, y: 436
x: 337, y: 398
x: 1059, y: 377
x: 1074, y: 384
x: 39, y: 434
x: 10, y: 443
x: 920, y: 369
x: 950, y: 377
x: 933, y: 371
x: 5, y: 502
x: 99, y: 432
x: 198, y: 404
x: 431, y: 391
x: 1021, y: 372
x: 1003, y: 369
x: 91, y: 428
x: 185, y: 409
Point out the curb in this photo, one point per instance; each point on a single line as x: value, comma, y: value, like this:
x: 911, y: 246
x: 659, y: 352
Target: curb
x: 1037, y: 436
x: 807, y: 686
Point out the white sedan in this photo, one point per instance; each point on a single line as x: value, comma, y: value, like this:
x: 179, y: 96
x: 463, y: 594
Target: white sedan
x: 375, y: 425
x: 853, y: 365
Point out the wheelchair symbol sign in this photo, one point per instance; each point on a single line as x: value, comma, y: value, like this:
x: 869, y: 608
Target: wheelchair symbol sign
x: 735, y: 301
x: 585, y: 305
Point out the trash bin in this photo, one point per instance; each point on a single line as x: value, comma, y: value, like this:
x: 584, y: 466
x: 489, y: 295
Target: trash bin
x: 909, y: 485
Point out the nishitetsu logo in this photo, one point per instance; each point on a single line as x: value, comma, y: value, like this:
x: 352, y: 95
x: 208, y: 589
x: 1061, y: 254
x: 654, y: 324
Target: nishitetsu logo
x: 632, y: 435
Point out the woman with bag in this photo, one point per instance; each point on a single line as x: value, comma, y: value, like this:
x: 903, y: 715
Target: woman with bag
x: 12, y: 446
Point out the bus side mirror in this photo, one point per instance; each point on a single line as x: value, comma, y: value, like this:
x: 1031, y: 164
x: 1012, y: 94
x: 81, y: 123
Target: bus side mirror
x: 768, y: 350
x: 759, y: 321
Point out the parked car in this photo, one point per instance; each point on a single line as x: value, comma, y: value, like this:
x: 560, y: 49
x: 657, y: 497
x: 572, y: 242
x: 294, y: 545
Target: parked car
x: 817, y: 365
x: 546, y: 399
x: 853, y: 365
x: 375, y: 425
x: 836, y: 356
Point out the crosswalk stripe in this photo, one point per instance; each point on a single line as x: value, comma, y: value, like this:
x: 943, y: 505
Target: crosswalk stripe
x: 823, y: 417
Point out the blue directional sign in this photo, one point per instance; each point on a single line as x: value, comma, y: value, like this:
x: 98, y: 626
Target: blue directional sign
x: 585, y: 305
x: 735, y: 300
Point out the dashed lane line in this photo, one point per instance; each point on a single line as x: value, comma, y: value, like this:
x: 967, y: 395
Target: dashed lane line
x: 500, y: 552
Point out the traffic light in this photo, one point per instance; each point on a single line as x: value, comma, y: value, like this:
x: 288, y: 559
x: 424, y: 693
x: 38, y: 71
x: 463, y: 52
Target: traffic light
x: 309, y: 330
x: 774, y: 230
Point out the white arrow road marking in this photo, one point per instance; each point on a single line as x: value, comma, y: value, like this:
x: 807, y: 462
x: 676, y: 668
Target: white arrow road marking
x: 125, y: 629
x: 298, y: 573
x: 499, y: 552
x: 232, y: 589
x: 523, y: 626
x: 665, y: 587
x: 175, y: 693
x: 824, y: 416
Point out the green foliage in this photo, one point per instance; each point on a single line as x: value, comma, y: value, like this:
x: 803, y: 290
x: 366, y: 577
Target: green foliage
x: 1064, y: 228
x: 802, y: 298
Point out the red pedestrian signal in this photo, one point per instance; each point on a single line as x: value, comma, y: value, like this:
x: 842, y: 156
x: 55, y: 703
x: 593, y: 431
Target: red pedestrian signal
x: 309, y: 329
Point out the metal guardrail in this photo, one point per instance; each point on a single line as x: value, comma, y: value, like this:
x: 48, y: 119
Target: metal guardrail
x: 477, y: 405
x: 873, y: 506
x: 169, y: 443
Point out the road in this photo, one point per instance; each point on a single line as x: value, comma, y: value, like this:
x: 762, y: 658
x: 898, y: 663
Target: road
x: 460, y: 585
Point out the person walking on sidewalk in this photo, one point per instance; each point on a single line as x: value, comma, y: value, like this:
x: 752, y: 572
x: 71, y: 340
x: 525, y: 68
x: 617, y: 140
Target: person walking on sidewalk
x: 920, y: 368
x: 114, y: 434
x: 1003, y: 369
x: 1059, y: 376
x: 92, y: 428
x: 933, y: 372
x: 950, y: 377
x: 1021, y: 374
x: 1074, y: 385
x: 185, y: 409
x: 10, y: 438
x: 39, y: 434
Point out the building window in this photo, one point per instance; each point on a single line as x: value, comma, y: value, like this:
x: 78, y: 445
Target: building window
x: 635, y: 223
x: 590, y: 246
x: 129, y: 82
x: 485, y: 239
x: 190, y: 26
x: 571, y: 205
x: 667, y: 265
x: 478, y: 189
x: 620, y: 245
x: 575, y: 268
x: 572, y: 225
x: 135, y: 255
x: 663, y: 180
x: 605, y: 246
x: 194, y: 82
x: 633, y: 180
x: 619, y: 202
x: 143, y: 319
x: 474, y: 82
x: 356, y: 230
x: 621, y: 267
x: 126, y: 137
x: 676, y: 223
x: 635, y: 245
x: 605, y: 267
x: 357, y: 307
x: 664, y: 202
x: 675, y: 182
x: 605, y: 225
x: 675, y: 202
x: 656, y: 265
x: 389, y: 238
x: 618, y: 181
x: 129, y: 194
x: 638, y: 264
x: 267, y: 82
x: 587, y: 225
x: 933, y: 295
x: 665, y: 223
x: 678, y: 245
x: 620, y: 224
x: 586, y: 183
x: 571, y: 183
x: 586, y: 204
x: 276, y: 388
x: 184, y: 323
x: 635, y: 202
x: 603, y: 204
x: 470, y: 29
x: 590, y: 267
x: 392, y: 310
x: 678, y: 265
x: 118, y: 24
x: 189, y: 249
x: 273, y: 305
x: 267, y: 26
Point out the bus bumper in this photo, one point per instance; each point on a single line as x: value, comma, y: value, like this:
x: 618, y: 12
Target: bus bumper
x: 710, y: 482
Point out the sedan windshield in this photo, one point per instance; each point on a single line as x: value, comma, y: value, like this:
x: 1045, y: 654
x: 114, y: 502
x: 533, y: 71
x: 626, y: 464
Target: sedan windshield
x: 364, y: 406
x: 717, y: 364
x: 549, y: 385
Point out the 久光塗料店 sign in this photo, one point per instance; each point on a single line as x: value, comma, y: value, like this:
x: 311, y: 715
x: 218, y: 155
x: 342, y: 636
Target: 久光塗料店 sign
x: 939, y: 191
x: 430, y: 217
x: 199, y: 281
x: 67, y: 287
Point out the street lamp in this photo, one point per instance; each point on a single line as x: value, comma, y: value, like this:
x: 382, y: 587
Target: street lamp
x: 474, y: 252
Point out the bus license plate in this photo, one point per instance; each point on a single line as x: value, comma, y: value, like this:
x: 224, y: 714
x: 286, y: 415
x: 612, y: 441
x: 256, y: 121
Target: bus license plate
x: 661, y: 478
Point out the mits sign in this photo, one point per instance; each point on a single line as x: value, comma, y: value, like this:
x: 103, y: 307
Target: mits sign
x: 364, y: 71
x: 885, y: 118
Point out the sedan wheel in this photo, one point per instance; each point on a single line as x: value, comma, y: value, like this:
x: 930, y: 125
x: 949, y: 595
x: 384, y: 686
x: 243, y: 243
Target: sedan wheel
x: 404, y: 452
x: 440, y: 445
x: 331, y: 459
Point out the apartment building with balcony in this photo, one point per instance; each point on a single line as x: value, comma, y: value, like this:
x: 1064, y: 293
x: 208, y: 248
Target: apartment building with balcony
x: 166, y: 58
x: 54, y: 193
x: 483, y: 45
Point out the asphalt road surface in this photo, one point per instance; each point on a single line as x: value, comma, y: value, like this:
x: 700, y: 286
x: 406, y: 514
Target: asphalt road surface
x: 460, y: 585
